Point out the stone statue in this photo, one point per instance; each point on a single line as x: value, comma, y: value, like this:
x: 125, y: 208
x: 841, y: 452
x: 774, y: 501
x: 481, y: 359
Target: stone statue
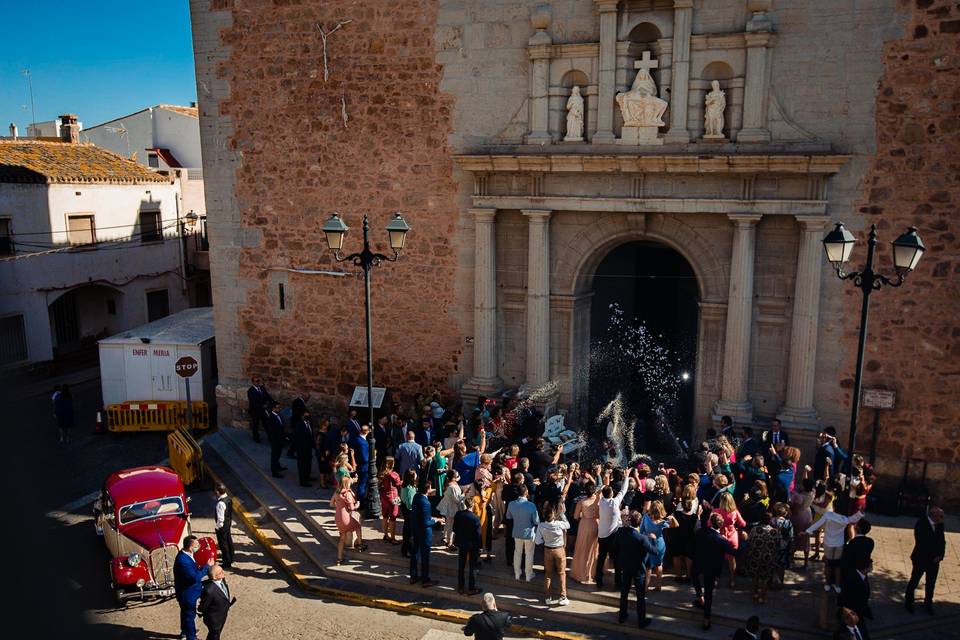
x: 574, y: 116
x: 715, y: 103
x: 640, y: 106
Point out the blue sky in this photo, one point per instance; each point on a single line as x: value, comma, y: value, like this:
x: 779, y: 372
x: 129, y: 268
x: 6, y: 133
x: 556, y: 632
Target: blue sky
x: 99, y: 59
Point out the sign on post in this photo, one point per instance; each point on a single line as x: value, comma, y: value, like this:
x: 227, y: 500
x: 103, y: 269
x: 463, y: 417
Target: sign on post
x: 359, y: 398
x: 879, y: 398
x: 185, y: 368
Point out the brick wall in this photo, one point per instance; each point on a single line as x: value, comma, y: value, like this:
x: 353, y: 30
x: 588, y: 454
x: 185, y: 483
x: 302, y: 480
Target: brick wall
x: 914, y: 339
x: 297, y: 160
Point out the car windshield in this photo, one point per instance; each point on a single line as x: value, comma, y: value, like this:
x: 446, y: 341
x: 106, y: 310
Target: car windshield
x: 150, y: 509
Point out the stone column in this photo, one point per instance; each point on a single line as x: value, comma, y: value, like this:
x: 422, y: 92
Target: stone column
x: 608, y: 69
x: 538, y: 298
x: 756, y: 88
x: 680, y: 77
x: 485, y: 380
x: 736, y: 349
x: 539, y: 88
x: 801, y: 375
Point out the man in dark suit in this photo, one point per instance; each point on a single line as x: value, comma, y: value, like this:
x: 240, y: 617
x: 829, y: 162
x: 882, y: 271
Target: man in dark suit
x: 361, y: 456
x: 929, y: 547
x: 851, y: 628
x: 855, y: 594
x: 708, y: 560
x: 276, y: 435
x: 187, y: 584
x: 305, y: 443
x: 489, y: 624
x: 829, y: 457
x: 858, y: 550
x: 776, y: 436
x: 632, y: 548
x: 422, y: 523
x: 223, y: 519
x: 466, y: 537
x: 258, y: 400
x: 750, y: 631
x: 215, y: 602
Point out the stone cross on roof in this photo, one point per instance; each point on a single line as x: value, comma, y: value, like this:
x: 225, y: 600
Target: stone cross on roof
x: 646, y: 62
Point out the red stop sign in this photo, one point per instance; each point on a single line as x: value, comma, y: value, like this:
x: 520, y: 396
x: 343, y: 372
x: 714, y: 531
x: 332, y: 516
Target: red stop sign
x: 186, y: 366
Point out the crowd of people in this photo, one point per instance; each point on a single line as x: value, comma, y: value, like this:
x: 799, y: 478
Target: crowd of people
x: 741, y: 503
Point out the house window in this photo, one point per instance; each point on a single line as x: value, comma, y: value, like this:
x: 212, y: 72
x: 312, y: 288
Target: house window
x: 153, y: 161
x: 150, y: 226
x: 158, y: 305
x: 81, y: 230
x: 13, y: 340
x: 111, y: 307
x: 6, y: 238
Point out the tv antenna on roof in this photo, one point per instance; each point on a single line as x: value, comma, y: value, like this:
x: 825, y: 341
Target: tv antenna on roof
x: 33, y: 109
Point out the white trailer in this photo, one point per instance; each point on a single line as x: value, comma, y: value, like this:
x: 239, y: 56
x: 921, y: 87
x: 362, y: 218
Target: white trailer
x: 138, y: 364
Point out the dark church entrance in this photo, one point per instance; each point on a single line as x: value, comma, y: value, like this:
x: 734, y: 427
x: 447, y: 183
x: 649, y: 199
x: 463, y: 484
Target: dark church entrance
x: 643, y: 339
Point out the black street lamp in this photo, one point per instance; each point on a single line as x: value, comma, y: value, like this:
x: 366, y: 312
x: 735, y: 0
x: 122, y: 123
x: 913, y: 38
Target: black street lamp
x: 334, y: 229
x: 838, y: 244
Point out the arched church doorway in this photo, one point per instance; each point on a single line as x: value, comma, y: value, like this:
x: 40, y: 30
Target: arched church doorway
x: 643, y: 346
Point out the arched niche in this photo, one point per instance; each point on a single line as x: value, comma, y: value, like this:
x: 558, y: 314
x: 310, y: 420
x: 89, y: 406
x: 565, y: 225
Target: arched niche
x: 575, y: 78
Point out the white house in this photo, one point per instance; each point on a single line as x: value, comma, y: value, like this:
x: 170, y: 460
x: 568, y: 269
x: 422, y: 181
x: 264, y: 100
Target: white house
x: 92, y: 243
x: 164, y: 137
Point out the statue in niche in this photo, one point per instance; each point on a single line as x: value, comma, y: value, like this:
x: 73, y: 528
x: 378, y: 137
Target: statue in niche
x: 640, y: 106
x: 714, y: 104
x: 574, y: 116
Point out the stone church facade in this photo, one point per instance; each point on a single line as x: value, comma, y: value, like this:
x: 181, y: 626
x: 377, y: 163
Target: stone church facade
x: 456, y: 113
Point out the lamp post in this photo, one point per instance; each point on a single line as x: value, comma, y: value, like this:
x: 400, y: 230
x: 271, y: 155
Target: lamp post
x: 334, y: 229
x: 838, y: 244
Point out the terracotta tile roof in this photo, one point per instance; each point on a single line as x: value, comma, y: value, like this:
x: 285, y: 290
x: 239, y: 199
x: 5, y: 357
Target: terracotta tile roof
x: 193, y: 112
x: 60, y: 162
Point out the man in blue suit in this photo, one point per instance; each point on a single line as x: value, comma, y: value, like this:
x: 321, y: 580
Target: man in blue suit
x: 421, y: 517
x: 188, y: 585
x: 632, y: 549
x: 361, y: 455
x: 708, y: 560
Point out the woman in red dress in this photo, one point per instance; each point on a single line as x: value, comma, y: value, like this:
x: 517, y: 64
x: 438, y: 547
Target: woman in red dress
x: 389, y: 500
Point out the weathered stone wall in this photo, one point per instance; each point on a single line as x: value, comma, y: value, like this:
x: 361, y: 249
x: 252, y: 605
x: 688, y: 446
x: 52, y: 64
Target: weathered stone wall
x: 371, y: 139
x: 914, y: 179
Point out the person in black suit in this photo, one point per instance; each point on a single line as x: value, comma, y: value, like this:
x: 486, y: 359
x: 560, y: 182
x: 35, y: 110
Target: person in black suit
x: 305, y: 442
x: 855, y: 594
x: 490, y: 623
x: 750, y: 631
x: 858, y: 550
x: 708, y: 560
x: 851, y: 628
x: 775, y: 436
x: 215, y: 603
x: 276, y: 435
x: 222, y: 522
x: 258, y: 401
x: 929, y: 548
x: 632, y: 549
x: 466, y: 537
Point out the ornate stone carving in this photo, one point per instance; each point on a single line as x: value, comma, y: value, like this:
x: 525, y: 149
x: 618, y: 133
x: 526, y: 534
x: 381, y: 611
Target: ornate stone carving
x: 641, y: 108
x: 714, y: 105
x: 574, y: 116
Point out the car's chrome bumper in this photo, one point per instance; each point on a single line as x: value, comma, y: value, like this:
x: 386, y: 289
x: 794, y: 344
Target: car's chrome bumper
x: 147, y: 592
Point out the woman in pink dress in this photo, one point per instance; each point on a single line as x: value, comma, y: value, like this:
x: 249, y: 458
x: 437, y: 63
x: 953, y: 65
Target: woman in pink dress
x: 586, y: 548
x: 733, y: 522
x: 345, y: 503
x: 389, y: 500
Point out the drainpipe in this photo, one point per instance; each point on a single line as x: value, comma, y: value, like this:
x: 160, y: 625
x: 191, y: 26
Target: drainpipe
x: 181, y: 242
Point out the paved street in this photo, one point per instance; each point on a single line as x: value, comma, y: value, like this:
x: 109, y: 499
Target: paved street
x: 60, y: 556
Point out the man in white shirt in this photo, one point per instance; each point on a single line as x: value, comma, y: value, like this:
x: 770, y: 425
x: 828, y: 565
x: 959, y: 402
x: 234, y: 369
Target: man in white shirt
x: 833, y: 525
x: 609, y: 523
x: 550, y: 533
x: 222, y: 521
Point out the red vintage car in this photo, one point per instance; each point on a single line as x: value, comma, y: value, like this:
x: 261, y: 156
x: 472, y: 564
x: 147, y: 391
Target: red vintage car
x: 143, y: 515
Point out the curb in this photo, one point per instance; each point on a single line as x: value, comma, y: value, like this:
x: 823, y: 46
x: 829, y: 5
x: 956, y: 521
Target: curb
x: 369, y: 601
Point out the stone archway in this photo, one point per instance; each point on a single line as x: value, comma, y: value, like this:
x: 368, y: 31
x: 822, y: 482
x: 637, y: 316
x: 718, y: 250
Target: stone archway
x: 574, y: 275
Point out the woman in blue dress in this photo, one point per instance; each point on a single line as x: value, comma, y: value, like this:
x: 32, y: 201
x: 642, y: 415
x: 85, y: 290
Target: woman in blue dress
x: 655, y: 521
